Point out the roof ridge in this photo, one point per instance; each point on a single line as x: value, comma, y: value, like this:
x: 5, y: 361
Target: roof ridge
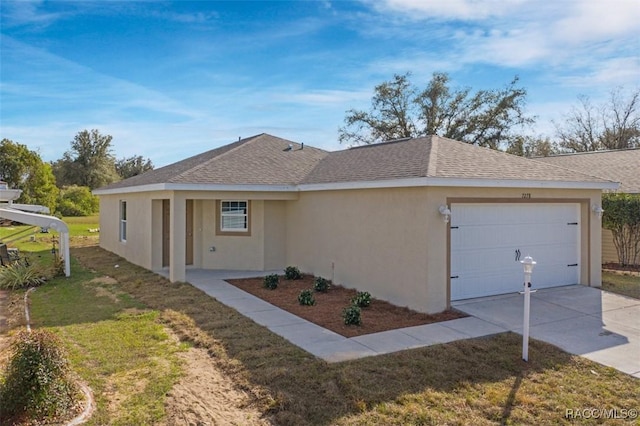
x: 374, y: 144
x: 604, y: 151
x: 432, y: 162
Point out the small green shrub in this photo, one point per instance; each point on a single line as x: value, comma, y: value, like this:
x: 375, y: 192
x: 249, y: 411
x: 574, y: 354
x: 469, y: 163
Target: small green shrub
x: 37, y: 383
x: 321, y: 284
x: 292, y: 273
x: 351, y: 315
x: 20, y: 275
x: 271, y: 281
x: 306, y: 298
x: 361, y: 299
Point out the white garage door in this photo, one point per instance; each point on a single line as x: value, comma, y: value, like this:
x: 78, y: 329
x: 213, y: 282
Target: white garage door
x: 489, y: 240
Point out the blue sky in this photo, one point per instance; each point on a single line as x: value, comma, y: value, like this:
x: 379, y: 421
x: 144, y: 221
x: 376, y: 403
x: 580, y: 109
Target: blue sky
x: 172, y: 79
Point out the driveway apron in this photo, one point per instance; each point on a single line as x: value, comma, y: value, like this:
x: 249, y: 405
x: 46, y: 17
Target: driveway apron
x: 599, y: 325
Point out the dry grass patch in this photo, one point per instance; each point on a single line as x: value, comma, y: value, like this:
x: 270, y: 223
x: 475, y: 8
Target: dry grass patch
x: 327, y: 310
x: 476, y: 381
x: 204, y: 394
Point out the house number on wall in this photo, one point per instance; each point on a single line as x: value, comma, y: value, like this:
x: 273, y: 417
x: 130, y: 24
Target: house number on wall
x: 526, y: 195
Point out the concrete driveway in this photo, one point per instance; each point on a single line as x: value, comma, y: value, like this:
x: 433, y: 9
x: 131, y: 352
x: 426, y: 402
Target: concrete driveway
x: 599, y: 325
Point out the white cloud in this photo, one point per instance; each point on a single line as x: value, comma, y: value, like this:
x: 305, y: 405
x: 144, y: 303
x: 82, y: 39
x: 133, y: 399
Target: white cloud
x: 520, y: 33
x: 187, y: 18
x: 323, y: 98
x: 471, y: 10
x: 621, y: 71
x: 18, y: 13
x: 585, y: 21
x: 75, y: 84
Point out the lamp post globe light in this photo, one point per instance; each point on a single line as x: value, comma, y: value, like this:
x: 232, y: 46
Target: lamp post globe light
x: 527, y: 264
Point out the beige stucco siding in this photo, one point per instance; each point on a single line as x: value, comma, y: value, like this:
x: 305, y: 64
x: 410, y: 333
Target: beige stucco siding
x: 394, y: 243
x: 275, y: 233
x: 373, y: 240
x: 233, y: 251
x: 137, y: 248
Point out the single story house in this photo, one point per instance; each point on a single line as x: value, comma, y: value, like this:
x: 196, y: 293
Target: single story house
x: 418, y: 222
x: 620, y: 166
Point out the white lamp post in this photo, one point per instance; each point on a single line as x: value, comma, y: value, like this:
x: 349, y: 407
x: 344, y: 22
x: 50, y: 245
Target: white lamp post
x: 528, y: 263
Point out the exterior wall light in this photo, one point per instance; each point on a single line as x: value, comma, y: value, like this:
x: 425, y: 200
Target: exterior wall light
x: 527, y: 264
x: 597, y: 210
x: 445, y: 212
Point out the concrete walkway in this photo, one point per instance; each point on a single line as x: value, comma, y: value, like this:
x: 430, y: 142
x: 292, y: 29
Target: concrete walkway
x: 323, y: 343
x: 601, y: 326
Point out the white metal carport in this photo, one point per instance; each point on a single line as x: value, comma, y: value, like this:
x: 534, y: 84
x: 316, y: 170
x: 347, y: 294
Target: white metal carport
x: 43, y: 221
x: 16, y: 213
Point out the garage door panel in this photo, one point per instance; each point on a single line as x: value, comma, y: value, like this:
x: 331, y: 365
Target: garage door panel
x: 477, y: 237
x: 488, y: 240
x: 472, y: 261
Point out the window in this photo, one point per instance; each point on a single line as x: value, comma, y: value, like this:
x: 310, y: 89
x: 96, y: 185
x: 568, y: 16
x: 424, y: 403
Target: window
x: 123, y: 221
x: 234, y: 216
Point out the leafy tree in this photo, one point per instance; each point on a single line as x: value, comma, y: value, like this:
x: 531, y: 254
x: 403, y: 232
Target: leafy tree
x: 88, y: 163
x: 622, y: 217
x: 78, y: 201
x: 40, y: 187
x: 133, y: 166
x: 24, y: 169
x: 528, y: 146
x: 399, y: 109
x: 615, y: 124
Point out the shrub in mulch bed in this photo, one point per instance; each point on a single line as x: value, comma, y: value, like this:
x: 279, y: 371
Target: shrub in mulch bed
x: 327, y: 311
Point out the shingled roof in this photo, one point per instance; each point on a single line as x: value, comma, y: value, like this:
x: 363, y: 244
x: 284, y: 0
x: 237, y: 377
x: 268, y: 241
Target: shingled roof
x: 620, y: 166
x: 258, y: 160
x: 435, y: 157
x: 269, y: 160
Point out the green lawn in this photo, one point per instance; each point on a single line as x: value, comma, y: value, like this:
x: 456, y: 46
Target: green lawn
x: 117, y: 345
x: 621, y: 283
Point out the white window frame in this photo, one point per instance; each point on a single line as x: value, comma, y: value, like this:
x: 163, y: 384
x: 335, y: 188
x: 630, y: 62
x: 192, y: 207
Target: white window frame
x: 123, y: 221
x: 244, y: 215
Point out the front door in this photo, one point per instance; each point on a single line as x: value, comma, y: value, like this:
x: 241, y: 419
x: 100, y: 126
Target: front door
x: 166, y: 234
x: 189, y: 234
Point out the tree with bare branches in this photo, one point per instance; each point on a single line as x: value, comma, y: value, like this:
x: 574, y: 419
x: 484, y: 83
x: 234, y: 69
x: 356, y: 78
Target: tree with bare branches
x: 614, y: 124
x: 399, y: 110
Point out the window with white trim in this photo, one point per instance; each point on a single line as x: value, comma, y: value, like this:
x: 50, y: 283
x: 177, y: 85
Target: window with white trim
x: 123, y: 221
x: 234, y: 216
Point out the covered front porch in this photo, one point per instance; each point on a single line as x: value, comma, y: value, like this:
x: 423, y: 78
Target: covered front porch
x: 218, y: 232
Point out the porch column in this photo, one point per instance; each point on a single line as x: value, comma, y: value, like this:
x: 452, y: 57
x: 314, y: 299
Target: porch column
x: 178, y: 236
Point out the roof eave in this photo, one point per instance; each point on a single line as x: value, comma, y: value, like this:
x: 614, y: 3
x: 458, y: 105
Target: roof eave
x: 458, y: 182
x: 194, y: 187
x: 389, y: 183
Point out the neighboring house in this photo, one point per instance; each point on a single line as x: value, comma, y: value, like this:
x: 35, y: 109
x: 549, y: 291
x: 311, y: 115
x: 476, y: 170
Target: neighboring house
x: 619, y: 166
x: 417, y: 222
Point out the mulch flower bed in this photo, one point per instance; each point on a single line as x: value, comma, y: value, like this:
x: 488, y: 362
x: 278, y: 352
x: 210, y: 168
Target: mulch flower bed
x: 621, y: 268
x: 327, y: 311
